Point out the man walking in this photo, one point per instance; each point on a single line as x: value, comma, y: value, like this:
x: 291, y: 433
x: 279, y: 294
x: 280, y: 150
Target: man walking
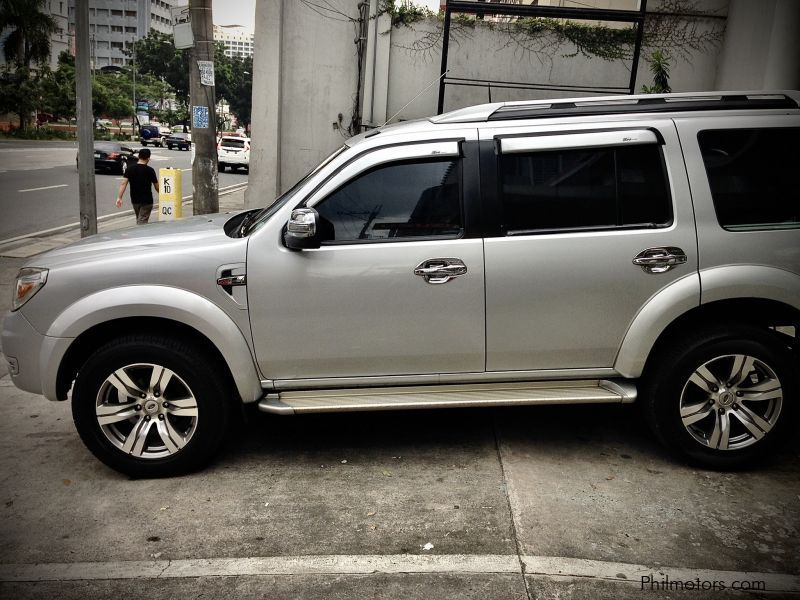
x: 140, y: 176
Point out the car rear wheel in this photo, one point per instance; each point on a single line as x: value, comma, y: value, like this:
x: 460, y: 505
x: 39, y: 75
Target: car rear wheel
x: 221, y: 167
x: 723, y: 398
x: 169, y: 146
x: 150, y: 406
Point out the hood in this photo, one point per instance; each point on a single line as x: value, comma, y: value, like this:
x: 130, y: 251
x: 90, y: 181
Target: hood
x: 203, y: 230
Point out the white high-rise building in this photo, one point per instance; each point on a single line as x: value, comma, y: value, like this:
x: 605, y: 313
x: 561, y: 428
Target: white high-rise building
x: 238, y: 41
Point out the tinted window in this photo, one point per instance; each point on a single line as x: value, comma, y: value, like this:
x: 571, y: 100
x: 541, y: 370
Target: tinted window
x: 232, y: 143
x: 753, y: 176
x: 400, y: 200
x: 584, y: 188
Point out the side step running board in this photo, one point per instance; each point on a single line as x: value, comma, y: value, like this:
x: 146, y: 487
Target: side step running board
x: 449, y: 396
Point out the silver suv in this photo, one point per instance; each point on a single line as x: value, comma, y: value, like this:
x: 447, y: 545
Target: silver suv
x: 642, y: 248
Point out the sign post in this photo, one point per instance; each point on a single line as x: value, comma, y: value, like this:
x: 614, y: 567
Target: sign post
x: 169, y: 195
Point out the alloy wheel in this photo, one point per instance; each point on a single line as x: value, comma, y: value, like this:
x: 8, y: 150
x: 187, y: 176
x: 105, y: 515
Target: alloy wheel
x: 146, y: 411
x: 731, y: 402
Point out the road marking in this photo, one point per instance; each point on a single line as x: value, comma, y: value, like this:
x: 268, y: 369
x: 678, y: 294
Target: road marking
x: 499, y: 564
x: 47, y: 187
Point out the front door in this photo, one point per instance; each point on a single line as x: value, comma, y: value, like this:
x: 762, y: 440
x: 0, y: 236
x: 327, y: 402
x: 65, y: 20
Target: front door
x: 396, y: 289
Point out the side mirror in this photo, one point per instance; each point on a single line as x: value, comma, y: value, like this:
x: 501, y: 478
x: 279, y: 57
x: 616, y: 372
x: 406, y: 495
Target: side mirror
x: 301, y: 229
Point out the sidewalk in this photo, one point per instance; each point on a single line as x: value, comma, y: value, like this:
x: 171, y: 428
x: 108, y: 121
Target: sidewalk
x: 17, y: 253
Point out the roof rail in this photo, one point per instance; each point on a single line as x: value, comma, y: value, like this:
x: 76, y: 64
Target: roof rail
x: 607, y: 105
x: 643, y: 104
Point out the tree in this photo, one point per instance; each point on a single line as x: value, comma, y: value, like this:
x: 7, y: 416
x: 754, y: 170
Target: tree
x: 27, y: 42
x: 20, y: 93
x: 156, y: 55
x: 234, y: 83
x: 659, y: 67
x: 58, y: 89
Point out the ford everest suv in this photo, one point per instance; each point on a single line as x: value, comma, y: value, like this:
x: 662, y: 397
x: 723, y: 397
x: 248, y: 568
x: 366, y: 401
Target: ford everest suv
x: 626, y: 249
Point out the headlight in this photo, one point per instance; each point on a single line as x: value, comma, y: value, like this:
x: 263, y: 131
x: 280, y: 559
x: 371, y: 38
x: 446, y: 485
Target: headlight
x: 29, y: 281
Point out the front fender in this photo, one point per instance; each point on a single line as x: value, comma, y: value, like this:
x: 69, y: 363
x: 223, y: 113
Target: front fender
x: 662, y: 309
x: 161, y: 302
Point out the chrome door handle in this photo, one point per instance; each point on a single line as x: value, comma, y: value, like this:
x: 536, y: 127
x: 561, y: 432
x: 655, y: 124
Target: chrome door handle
x: 659, y: 259
x: 440, y: 270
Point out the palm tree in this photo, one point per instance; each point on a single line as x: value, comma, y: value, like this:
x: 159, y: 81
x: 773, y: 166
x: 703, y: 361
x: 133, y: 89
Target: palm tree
x: 31, y: 28
x: 27, y: 42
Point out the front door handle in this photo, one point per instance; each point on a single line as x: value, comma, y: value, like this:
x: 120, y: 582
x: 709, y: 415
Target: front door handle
x: 659, y: 259
x: 440, y: 270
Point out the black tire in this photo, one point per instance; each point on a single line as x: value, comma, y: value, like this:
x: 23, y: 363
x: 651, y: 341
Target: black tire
x: 169, y: 146
x: 144, y: 143
x: 221, y: 167
x: 196, y: 434
x: 701, y: 375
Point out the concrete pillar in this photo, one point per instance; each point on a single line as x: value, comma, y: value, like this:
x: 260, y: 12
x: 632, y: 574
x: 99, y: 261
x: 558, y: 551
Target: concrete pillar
x: 761, y: 49
x: 264, y: 183
x: 383, y: 48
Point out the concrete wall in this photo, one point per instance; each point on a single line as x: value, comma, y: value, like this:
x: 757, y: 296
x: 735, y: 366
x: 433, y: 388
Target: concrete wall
x: 762, y: 46
x: 305, y: 77
x: 308, y: 77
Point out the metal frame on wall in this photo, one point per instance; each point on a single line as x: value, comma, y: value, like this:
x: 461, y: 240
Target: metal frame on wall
x: 480, y: 8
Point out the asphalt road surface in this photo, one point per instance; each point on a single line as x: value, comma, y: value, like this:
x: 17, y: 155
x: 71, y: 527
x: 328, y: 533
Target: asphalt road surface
x: 39, y: 184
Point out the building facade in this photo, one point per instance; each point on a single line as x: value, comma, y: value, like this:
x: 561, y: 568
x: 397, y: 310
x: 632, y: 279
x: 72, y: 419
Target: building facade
x: 238, y: 41
x: 114, y: 25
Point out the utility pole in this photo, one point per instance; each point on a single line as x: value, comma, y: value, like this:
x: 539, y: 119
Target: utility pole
x: 135, y: 107
x: 83, y: 96
x: 204, y: 120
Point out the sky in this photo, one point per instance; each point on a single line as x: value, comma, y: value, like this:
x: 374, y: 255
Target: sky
x: 235, y: 12
x: 242, y: 12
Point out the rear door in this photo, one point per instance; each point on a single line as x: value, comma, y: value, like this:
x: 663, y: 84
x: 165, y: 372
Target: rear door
x: 576, y: 211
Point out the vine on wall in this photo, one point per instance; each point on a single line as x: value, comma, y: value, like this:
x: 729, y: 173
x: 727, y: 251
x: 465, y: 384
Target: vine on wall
x: 678, y: 26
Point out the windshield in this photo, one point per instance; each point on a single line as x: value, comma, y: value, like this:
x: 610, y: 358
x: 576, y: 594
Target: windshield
x: 266, y: 212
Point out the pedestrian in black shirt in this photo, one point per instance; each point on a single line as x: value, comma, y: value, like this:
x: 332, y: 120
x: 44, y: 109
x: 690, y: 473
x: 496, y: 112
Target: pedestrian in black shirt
x: 140, y: 176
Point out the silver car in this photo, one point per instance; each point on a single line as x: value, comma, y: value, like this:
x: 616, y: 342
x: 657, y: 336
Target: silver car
x: 605, y: 250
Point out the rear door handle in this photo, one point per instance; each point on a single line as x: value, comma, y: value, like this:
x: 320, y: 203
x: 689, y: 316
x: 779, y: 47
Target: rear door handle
x: 440, y: 270
x: 659, y: 259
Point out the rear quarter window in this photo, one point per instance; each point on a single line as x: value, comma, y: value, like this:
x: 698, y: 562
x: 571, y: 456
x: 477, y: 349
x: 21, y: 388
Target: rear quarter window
x: 753, y: 176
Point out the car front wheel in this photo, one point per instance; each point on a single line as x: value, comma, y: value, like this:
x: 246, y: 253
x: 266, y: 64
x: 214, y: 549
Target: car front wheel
x: 725, y: 397
x: 150, y: 406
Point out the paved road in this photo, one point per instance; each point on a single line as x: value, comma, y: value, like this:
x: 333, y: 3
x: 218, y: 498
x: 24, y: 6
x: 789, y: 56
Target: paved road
x: 39, y: 184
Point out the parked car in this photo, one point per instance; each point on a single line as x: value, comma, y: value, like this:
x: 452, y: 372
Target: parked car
x: 233, y: 152
x: 595, y: 250
x: 113, y: 157
x: 181, y: 141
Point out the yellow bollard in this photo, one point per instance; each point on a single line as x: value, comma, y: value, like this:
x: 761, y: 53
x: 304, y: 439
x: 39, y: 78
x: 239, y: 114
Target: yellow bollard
x: 169, y: 195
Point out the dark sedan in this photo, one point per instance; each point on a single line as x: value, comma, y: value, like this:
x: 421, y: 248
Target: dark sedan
x: 113, y: 157
x: 182, y: 141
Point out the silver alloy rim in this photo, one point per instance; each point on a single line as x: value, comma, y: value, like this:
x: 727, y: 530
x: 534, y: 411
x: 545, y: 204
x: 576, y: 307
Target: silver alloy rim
x: 731, y: 402
x: 146, y: 411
